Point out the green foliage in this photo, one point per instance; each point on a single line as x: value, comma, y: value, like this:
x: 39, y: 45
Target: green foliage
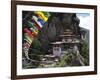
x: 36, y: 44
x: 65, y: 60
x: 35, y: 52
x: 36, y: 48
x: 85, y: 51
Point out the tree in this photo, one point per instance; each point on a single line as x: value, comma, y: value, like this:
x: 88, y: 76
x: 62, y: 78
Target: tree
x: 85, y: 51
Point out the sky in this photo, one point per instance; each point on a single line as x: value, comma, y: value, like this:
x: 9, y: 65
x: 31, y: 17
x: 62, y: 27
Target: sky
x: 84, y: 20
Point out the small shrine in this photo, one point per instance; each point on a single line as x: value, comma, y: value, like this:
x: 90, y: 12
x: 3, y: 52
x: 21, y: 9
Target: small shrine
x: 57, y: 48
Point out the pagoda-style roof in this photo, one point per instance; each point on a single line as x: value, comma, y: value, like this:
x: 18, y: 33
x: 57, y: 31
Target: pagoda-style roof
x: 69, y: 35
x: 66, y: 42
x: 68, y: 32
x: 49, y: 56
x: 72, y: 42
x: 57, y: 43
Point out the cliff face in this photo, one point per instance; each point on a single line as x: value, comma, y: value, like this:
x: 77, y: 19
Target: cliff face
x: 56, y: 25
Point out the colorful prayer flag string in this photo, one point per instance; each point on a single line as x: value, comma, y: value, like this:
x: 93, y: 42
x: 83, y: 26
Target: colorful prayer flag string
x: 37, y: 22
